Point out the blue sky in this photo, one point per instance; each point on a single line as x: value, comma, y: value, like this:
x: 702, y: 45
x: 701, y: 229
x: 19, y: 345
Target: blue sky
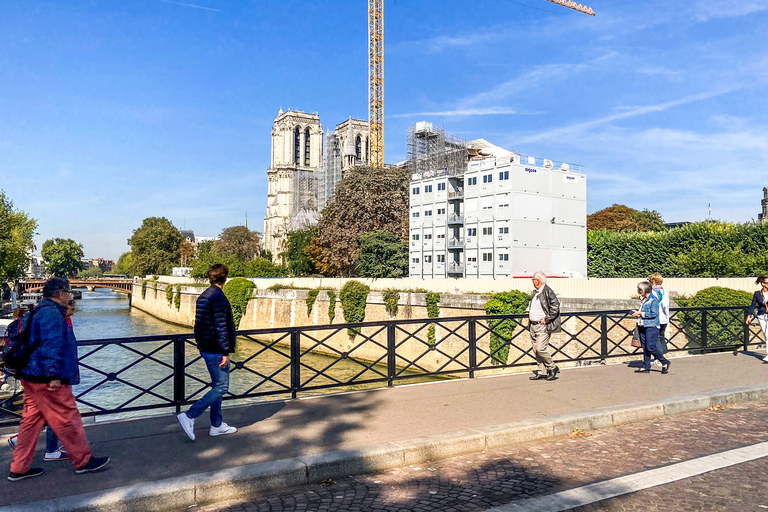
x: 111, y: 111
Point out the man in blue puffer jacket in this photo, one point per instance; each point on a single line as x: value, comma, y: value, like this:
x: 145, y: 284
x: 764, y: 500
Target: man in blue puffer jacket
x: 215, y: 336
x: 47, y: 381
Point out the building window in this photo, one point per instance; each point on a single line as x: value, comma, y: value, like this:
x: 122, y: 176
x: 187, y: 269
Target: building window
x: 441, y: 236
x: 306, y: 147
x: 488, y: 178
x: 296, y: 146
x: 440, y: 186
x: 441, y: 211
x: 427, y: 188
x: 415, y: 214
x: 504, y: 231
x: 471, y: 231
x: 428, y: 213
x: 427, y: 237
x: 472, y: 260
x: 487, y: 256
x: 415, y: 260
x: 503, y: 257
x: 504, y: 205
x: 472, y: 181
x: 487, y: 231
x: 503, y: 175
x: 414, y: 237
x: 358, y: 148
x: 427, y: 259
x: 441, y: 258
x: 415, y: 191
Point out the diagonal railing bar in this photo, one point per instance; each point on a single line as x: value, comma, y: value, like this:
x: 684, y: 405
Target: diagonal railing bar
x: 129, y: 384
x: 490, y: 356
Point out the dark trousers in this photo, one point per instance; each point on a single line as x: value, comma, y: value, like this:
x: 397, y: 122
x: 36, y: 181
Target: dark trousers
x: 649, y: 337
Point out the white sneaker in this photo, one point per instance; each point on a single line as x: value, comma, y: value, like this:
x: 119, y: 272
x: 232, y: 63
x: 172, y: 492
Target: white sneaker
x: 12, y: 442
x: 187, y: 424
x: 57, y: 455
x: 765, y: 360
x: 222, y: 430
x: 656, y: 363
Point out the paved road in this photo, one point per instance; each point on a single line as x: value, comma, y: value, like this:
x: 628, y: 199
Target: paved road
x: 153, y: 449
x: 492, y: 479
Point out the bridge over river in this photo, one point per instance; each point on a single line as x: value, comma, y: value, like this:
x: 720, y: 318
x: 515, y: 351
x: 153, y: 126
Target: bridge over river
x: 116, y: 284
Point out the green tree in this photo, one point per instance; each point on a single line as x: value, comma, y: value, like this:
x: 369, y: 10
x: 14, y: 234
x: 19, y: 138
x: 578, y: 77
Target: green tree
x: 295, y: 256
x: 366, y: 200
x: 262, y: 267
x: 619, y: 217
x: 155, y: 246
x: 94, y: 271
x: 17, y: 230
x: 238, y: 241
x: 382, y: 254
x: 62, y: 257
x: 124, y: 264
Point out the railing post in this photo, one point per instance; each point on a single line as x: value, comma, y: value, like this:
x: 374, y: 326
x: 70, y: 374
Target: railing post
x: 179, y: 372
x: 704, y: 337
x: 472, y: 335
x: 746, y: 331
x: 295, y: 362
x: 391, y: 358
x: 603, y: 338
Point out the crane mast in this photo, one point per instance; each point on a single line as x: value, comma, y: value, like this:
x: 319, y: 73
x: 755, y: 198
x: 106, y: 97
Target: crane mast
x: 376, y: 74
x: 376, y: 82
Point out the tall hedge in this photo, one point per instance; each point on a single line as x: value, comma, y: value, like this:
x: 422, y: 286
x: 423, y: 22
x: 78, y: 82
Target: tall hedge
x: 354, y: 296
x: 238, y: 291
x: 701, y: 249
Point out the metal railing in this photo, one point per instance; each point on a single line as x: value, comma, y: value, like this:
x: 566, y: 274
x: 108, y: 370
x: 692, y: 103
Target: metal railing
x: 126, y: 375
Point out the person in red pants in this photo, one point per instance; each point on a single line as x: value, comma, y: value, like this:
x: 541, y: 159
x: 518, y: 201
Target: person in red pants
x: 47, y: 381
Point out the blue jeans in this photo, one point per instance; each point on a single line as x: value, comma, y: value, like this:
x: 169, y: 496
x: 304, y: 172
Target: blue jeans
x: 649, y: 337
x: 51, y: 440
x: 219, y: 386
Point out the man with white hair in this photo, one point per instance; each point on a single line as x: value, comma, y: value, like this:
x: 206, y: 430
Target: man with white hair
x: 544, y: 314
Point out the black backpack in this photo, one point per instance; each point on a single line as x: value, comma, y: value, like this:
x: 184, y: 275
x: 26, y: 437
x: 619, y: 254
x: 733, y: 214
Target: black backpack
x: 17, y: 349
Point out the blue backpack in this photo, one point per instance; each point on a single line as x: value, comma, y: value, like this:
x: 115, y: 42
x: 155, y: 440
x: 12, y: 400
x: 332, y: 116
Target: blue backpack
x: 17, y: 349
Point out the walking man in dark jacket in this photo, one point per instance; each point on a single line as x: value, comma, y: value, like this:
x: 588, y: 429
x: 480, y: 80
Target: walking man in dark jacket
x: 47, y: 381
x: 544, y: 314
x: 215, y: 336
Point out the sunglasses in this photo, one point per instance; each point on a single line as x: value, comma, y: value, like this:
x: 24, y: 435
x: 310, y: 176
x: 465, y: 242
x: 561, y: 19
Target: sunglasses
x: 71, y: 303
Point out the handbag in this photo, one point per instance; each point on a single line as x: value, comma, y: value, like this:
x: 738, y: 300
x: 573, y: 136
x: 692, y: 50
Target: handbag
x: 636, y: 338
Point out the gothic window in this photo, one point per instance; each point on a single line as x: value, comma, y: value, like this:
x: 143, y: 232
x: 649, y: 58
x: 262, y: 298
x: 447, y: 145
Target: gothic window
x: 296, y: 146
x: 306, y: 147
x: 367, y: 153
x: 358, y: 148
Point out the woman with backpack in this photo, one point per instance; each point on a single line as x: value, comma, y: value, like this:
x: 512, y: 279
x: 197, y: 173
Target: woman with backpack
x: 759, y: 309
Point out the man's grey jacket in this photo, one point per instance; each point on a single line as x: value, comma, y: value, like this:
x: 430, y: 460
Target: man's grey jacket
x: 551, y: 307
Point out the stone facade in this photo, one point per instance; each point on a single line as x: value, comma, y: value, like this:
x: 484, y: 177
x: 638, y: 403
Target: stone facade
x: 345, y: 147
x: 297, y: 149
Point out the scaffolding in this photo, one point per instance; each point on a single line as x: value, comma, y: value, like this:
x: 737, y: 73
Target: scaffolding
x: 329, y: 172
x: 430, y: 150
x: 303, y: 197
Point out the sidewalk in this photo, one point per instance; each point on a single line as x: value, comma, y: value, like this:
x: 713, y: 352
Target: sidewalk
x: 148, y: 451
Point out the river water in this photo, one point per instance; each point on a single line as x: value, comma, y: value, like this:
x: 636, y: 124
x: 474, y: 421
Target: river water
x: 104, y: 314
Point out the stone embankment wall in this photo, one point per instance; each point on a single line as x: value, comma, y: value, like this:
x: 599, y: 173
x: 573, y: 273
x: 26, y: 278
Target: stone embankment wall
x: 287, y: 308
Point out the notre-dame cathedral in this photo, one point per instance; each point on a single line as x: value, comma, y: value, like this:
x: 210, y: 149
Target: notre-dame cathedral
x: 304, y: 173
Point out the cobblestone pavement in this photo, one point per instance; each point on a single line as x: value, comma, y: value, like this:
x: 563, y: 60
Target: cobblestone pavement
x: 497, y: 477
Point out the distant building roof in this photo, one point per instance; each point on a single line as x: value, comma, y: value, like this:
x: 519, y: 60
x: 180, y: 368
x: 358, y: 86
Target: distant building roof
x: 188, y: 234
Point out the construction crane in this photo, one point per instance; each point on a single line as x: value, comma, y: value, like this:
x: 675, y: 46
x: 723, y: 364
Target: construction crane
x: 376, y: 74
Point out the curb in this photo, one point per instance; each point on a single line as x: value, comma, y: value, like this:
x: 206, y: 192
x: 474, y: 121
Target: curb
x: 246, y: 481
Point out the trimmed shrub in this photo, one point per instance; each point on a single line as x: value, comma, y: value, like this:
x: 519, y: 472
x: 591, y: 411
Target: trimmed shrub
x: 238, y: 292
x: 391, y: 298
x: 177, y: 297
x: 354, y: 296
x: 311, y: 298
x: 331, y: 305
x: 504, y: 303
x: 724, y: 328
x: 433, y: 311
x: 169, y: 294
x: 143, y: 289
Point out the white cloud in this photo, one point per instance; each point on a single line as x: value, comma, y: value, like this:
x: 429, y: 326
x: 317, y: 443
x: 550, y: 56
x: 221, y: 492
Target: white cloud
x: 708, y: 9
x: 480, y: 111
